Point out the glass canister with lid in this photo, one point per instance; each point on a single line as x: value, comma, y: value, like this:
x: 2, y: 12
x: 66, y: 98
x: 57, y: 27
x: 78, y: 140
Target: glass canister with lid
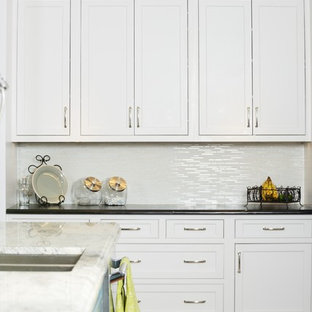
x: 114, y: 191
x: 87, y: 191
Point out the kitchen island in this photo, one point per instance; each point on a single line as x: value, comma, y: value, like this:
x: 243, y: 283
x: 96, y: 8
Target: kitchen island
x: 71, y: 287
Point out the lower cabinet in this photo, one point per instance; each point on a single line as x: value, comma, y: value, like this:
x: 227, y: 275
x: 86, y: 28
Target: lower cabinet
x: 213, y: 263
x: 273, y: 278
x: 180, y: 297
x: 169, y: 261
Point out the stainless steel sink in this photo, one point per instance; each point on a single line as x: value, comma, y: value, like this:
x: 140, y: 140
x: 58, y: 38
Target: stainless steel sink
x: 38, y: 262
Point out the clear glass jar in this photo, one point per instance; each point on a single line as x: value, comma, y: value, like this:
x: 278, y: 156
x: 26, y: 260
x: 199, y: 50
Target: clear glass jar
x: 87, y: 191
x: 24, y: 191
x: 114, y: 192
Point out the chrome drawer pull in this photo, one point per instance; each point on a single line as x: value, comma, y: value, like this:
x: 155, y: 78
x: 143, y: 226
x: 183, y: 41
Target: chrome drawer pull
x: 248, y: 117
x: 257, y: 119
x: 130, y: 117
x: 131, y: 229
x: 194, y: 261
x: 138, y: 117
x: 136, y: 261
x: 239, y: 269
x: 194, y: 229
x: 65, y: 117
x: 273, y: 228
x: 195, y: 301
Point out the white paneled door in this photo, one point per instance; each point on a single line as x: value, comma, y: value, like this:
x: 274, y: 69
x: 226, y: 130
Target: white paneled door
x: 161, y: 67
x: 273, y: 278
x: 43, y: 67
x: 278, y: 67
x: 107, y: 67
x: 225, y: 83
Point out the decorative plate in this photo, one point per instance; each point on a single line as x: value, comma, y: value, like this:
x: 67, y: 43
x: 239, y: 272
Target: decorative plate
x: 50, y: 182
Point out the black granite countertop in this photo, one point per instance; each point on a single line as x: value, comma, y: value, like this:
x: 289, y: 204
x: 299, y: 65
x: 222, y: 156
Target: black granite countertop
x: 161, y: 209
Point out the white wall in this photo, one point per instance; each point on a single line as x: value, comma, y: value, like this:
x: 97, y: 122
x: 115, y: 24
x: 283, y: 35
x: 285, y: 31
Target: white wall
x: 173, y: 173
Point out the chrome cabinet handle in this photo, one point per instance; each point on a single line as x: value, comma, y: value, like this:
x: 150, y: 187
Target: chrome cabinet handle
x: 194, y: 261
x: 138, y: 116
x: 257, y: 119
x: 131, y: 229
x: 130, y: 119
x: 239, y: 269
x: 248, y: 117
x: 194, y: 229
x: 195, y: 301
x: 65, y: 117
x: 136, y: 261
x: 3, y: 87
x: 281, y: 228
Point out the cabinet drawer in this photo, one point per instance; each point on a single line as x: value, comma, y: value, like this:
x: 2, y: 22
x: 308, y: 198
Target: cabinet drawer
x: 194, y: 229
x: 48, y: 219
x: 273, y: 228
x: 137, y: 228
x: 174, y: 261
x: 180, y: 298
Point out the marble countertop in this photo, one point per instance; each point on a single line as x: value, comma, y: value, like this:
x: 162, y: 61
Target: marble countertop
x: 163, y: 209
x: 72, y: 291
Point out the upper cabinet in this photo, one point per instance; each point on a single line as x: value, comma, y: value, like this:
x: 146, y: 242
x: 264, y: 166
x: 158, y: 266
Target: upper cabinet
x: 252, y: 67
x: 225, y: 72
x: 278, y: 67
x: 161, y: 70
x: 43, y: 68
x: 107, y: 67
x: 161, y: 67
x: 134, y: 75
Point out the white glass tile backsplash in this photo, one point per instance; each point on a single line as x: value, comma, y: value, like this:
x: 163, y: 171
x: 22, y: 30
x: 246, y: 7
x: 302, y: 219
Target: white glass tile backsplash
x: 175, y: 173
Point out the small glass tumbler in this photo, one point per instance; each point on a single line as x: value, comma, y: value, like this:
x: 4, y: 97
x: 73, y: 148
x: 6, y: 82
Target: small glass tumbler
x: 24, y: 191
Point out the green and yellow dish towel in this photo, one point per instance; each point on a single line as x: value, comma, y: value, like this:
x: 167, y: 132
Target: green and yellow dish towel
x: 126, y: 300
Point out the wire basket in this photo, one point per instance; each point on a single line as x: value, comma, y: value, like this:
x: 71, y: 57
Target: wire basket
x: 280, y: 195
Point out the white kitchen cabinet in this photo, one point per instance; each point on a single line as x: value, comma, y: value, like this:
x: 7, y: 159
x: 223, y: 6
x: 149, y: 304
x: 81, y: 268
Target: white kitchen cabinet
x: 234, y: 262
x: 111, y: 103
x: 225, y: 73
x: 273, y: 278
x: 161, y: 89
x: 43, y: 68
x: 148, y: 70
x: 278, y: 67
x: 181, y: 298
x: 252, y: 68
x: 107, y: 67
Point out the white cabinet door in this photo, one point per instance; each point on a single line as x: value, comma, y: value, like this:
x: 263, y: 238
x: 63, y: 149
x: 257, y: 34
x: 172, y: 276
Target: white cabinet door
x: 107, y: 61
x: 278, y: 67
x: 273, y: 278
x: 43, y: 68
x: 161, y: 67
x: 225, y: 92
